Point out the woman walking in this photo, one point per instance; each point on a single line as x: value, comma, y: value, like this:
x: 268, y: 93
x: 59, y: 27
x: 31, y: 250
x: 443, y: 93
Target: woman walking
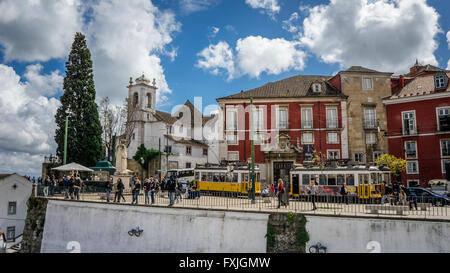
x: 280, y: 193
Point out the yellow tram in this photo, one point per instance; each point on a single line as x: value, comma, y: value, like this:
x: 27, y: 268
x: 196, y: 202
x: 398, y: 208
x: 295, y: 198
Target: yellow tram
x: 364, y: 182
x: 232, y: 179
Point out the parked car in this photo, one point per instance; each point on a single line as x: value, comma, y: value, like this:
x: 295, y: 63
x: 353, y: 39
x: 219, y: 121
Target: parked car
x: 427, y: 196
x: 440, y: 186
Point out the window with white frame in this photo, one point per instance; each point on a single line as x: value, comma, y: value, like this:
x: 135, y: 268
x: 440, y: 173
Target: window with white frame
x: 188, y: 150
x: 11, y: 234
x: 307, y: 138
x: 232, y: 138
x: 258, y: 138
x: 316, y: 87
x: 412, y: 167
x: 233, y: 156
x: 443, y: 119
x: 439, y: 80
x: 376, y: 155
x: 333, y: 154
x: 367, y: 83
x: 332, y: 118
x: 370, y: 120
x: 409, y: 123
x: 282, y: 117
x: 413, y: 183
x: 12, y: 208
x: 257, y: 116
x: 231, y: 117
x: 445, y: 147
x: 333, y: 138
x: 443, y: 162
x: 307, y: 118
x: 359, y: 157
x: 410, y: 149
x: 371, y: 138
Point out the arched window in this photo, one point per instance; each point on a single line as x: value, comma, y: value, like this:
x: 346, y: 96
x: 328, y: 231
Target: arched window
x: 135, y: 99
x: 149, y: 100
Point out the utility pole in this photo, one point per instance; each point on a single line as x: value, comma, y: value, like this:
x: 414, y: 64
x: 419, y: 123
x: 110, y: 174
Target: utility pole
x: 253, y: 152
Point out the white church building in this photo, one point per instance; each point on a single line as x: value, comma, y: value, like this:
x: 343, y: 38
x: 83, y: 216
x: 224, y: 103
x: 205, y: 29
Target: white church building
x: 187, y: 137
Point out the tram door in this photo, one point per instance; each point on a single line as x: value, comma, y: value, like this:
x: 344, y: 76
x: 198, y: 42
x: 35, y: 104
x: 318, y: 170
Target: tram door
x: 295, y: 185
x: 282, y: 170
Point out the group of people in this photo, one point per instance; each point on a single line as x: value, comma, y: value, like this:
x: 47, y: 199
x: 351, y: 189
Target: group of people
x: 70, y: 185
x: 149, y: 186
x: 397, y: 195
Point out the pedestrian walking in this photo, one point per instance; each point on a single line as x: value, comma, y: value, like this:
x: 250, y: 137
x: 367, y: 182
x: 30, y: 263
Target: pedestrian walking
x: 46, y: 186
x: 178, y: 190
x: 66, y: 187
x: 280, y: 193
x: 108, y: 188
x: 344, y: 194
x: 120, y: 188
x: 136, y: 191
x: 147, y: 191
x: 412, y: 198
x: 313, y: 192
x: 171, y: 186
x: 153, y: 186
x: 52, y: 185
x: 77, y: 188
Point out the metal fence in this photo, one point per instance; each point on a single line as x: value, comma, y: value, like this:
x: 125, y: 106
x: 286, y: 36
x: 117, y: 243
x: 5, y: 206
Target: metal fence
x: 320, y: 205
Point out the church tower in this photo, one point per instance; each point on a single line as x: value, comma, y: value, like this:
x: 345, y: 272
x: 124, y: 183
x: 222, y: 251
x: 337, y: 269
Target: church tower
x: 142, y: 95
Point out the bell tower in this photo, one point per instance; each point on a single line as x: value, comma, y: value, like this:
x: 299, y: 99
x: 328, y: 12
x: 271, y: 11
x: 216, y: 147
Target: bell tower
x: 142, y: 96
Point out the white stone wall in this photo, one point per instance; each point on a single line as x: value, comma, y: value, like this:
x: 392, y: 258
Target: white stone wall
x: 19, y: 195
x: 104, y: 228
x: 359, y: 235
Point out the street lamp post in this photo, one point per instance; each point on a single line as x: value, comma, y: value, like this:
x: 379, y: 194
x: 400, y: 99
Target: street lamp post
x: 253, y: 152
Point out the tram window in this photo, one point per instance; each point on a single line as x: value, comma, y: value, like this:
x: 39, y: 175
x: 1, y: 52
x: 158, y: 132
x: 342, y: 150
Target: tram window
x: 305, y: 179
x: 258, y: 177
x: 340, y: 179
x: 363, y: 179
x: 322, y: 179
x: 210, y: 176
x: 245, y: 177
x: 387, y: 178
x: 204, y: 178
x: 350, y: 180
x: 332, y: 180
x: 235, y: 178
x: 197, y: 175
x: 373, y: 178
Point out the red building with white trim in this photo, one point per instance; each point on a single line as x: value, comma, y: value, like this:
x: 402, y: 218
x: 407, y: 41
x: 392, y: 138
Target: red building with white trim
x: 419, y: 123
x: 291, y: 118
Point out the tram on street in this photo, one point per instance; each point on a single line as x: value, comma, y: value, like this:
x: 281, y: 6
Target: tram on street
x: 229, y: 179
x: 363, y: 182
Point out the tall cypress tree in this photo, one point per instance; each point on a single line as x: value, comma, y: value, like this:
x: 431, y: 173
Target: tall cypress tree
x: 84, y: 140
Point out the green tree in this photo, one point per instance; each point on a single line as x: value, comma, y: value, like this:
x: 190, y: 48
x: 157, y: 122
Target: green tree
x: 84, y: 138
x: 146, y: 154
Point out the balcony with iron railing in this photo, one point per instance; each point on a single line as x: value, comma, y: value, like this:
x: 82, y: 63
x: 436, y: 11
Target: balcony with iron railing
x: 307, y: 124
x: 370, y: 124
x: 410, y: 131
x: 332, y: 124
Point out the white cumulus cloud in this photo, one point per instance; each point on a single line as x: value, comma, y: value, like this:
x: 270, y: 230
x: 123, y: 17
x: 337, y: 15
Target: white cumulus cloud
x: 254, y: 55
x: 33, y: 30
x: 269, y: 6
x: 216, y: 58
x: 27, y: 124
x: 127, y: 38
x: 386, y: 35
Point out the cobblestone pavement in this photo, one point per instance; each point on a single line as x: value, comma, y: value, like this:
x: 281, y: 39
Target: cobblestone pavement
x: 271, y: 205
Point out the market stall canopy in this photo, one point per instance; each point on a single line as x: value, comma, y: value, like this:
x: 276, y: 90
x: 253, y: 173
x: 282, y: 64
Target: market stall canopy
x: 73, y: 167
x: 104, y: 166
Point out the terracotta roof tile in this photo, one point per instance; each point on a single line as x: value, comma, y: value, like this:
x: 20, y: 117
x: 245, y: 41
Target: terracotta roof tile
x: 297, y: 86
x: 420, y: 86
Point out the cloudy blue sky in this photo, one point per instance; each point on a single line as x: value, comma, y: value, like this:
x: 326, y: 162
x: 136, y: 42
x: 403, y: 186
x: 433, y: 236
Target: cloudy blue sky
x: 207, y: 48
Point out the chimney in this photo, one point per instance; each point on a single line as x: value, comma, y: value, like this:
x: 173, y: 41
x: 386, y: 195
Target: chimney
x: 402, y: 81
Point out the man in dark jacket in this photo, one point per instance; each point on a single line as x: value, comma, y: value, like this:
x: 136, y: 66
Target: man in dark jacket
x: 344, y: 193
x: 171, y: 187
